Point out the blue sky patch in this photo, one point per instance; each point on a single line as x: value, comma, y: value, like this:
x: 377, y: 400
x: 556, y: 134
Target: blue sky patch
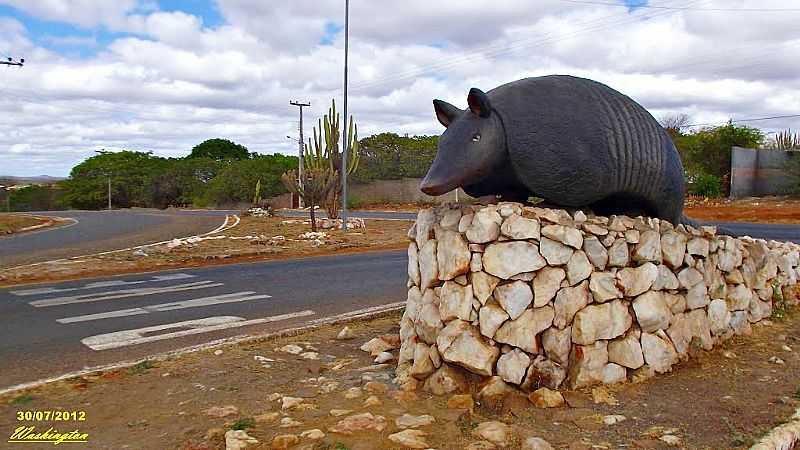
x: 331, y: 30
x: 633, y: 4
x: 80, y: 42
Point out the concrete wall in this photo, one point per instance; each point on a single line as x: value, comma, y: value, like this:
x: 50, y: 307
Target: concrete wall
x: 533, y: 297
x: 405, y: 190
x: 756, y: 173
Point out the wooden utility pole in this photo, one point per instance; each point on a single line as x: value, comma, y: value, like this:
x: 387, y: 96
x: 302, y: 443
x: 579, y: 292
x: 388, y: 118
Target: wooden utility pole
x: 300, y: 151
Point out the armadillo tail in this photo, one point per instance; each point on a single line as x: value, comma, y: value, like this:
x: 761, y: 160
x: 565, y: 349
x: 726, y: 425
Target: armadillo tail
x: 721, y: 230
x: 687, y: 221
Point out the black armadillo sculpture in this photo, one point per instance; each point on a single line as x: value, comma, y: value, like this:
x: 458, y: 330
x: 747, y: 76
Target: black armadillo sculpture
x: 571, y: 141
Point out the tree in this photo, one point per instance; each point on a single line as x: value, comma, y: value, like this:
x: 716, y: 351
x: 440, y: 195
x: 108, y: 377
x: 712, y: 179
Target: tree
x: 387, y: 156
x: 35, y: 198
x: 236, y: 181
x: 184, y: 181
x: 316, y: 185
x: 131, y: 176
x: 219, y: 150
x: 674, y: 123
x: 708, y: 151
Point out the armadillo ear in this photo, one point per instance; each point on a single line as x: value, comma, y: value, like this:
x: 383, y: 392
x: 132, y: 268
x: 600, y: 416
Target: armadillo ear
x: 479, y: 103
x: 445, y: 112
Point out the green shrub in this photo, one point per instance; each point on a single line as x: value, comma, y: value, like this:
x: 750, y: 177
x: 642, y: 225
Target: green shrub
x: 706, y: 185
x: 244, y: 423
x: 353, y: 202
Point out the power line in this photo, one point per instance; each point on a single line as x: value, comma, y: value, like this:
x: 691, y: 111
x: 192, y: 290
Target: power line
x: 509, y: 46
x: 756, y: 119
x: 681, y: 8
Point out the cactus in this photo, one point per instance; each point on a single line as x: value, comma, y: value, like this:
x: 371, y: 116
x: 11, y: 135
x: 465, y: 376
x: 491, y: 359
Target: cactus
x: 257, y: 195
x: 786, y: 140
x: 324, y: 151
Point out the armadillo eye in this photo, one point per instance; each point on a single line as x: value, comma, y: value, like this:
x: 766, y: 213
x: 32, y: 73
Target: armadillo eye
x: 476, y: 138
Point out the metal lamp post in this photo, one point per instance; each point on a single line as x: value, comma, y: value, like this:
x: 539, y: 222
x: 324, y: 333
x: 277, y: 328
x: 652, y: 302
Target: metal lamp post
x: 108, y: 174
x: 344, y: 131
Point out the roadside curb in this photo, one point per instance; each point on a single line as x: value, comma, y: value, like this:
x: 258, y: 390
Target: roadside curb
x: 375, y: 312
x: 50, y: 223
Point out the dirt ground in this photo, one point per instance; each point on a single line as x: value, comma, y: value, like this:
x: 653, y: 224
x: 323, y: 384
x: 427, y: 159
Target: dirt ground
x: 722, y: 399
x: 17, y: 223
x: 254, y: 239
x: 755, y: 210
x: 394, y: 207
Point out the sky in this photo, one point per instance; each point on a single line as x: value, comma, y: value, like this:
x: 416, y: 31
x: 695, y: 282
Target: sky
x: 164, y: 75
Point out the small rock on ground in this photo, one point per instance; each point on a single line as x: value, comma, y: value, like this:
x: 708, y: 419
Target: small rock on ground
x: 411, y: 421
x: 345, y: 334
x: 238, y: 439
x: 536, y: 443
x: 410, y: 439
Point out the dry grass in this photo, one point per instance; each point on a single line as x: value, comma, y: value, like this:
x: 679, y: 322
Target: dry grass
x: 14, y: 223
x: 755, y: 210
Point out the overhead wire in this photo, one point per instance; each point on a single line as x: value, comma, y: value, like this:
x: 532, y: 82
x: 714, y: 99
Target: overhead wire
x: 756, y: 119
x: 498, y: 49
x: 678, y: 8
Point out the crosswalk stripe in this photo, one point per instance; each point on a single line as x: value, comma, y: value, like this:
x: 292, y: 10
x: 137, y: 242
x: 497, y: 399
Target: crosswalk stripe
x: 102, y: 284
x: 111, y: 295
x: 235, y: 297
x: 138, y: 336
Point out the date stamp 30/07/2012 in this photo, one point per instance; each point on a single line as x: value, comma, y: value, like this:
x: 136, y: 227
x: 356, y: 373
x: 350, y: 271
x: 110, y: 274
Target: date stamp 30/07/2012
x: 31, y: 429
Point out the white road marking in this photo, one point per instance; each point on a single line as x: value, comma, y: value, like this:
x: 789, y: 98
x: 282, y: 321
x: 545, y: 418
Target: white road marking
x: 193, y: 303
x: 138, y: 336
x: 111, y: 295
x: 102, y: 284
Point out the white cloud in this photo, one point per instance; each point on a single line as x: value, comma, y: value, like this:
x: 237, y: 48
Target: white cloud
x: 174, y: 81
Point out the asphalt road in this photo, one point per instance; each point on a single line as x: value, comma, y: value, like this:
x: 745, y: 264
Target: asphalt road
x: 97, y: 231
x: 48, y: 330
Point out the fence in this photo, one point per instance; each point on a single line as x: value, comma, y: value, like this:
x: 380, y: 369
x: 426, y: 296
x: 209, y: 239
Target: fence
x: 404, y: 190
x: 756, y: 173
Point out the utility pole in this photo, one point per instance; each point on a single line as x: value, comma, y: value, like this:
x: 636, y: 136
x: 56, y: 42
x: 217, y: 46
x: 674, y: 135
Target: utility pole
x: 300, y: 150
x: 344, y: 129
x: 11, y: 62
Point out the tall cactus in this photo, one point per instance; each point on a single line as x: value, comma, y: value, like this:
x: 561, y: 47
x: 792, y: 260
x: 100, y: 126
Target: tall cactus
x: 257, y: 194
x: 325, y: 151
x: 786, y: 140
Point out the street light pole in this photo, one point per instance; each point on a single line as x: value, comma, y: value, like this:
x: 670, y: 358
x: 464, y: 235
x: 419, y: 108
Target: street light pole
x: 344, y: 129
x: 108, y: 174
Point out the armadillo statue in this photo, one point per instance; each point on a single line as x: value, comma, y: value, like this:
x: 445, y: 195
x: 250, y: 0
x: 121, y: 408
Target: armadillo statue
x: 571, y: 141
